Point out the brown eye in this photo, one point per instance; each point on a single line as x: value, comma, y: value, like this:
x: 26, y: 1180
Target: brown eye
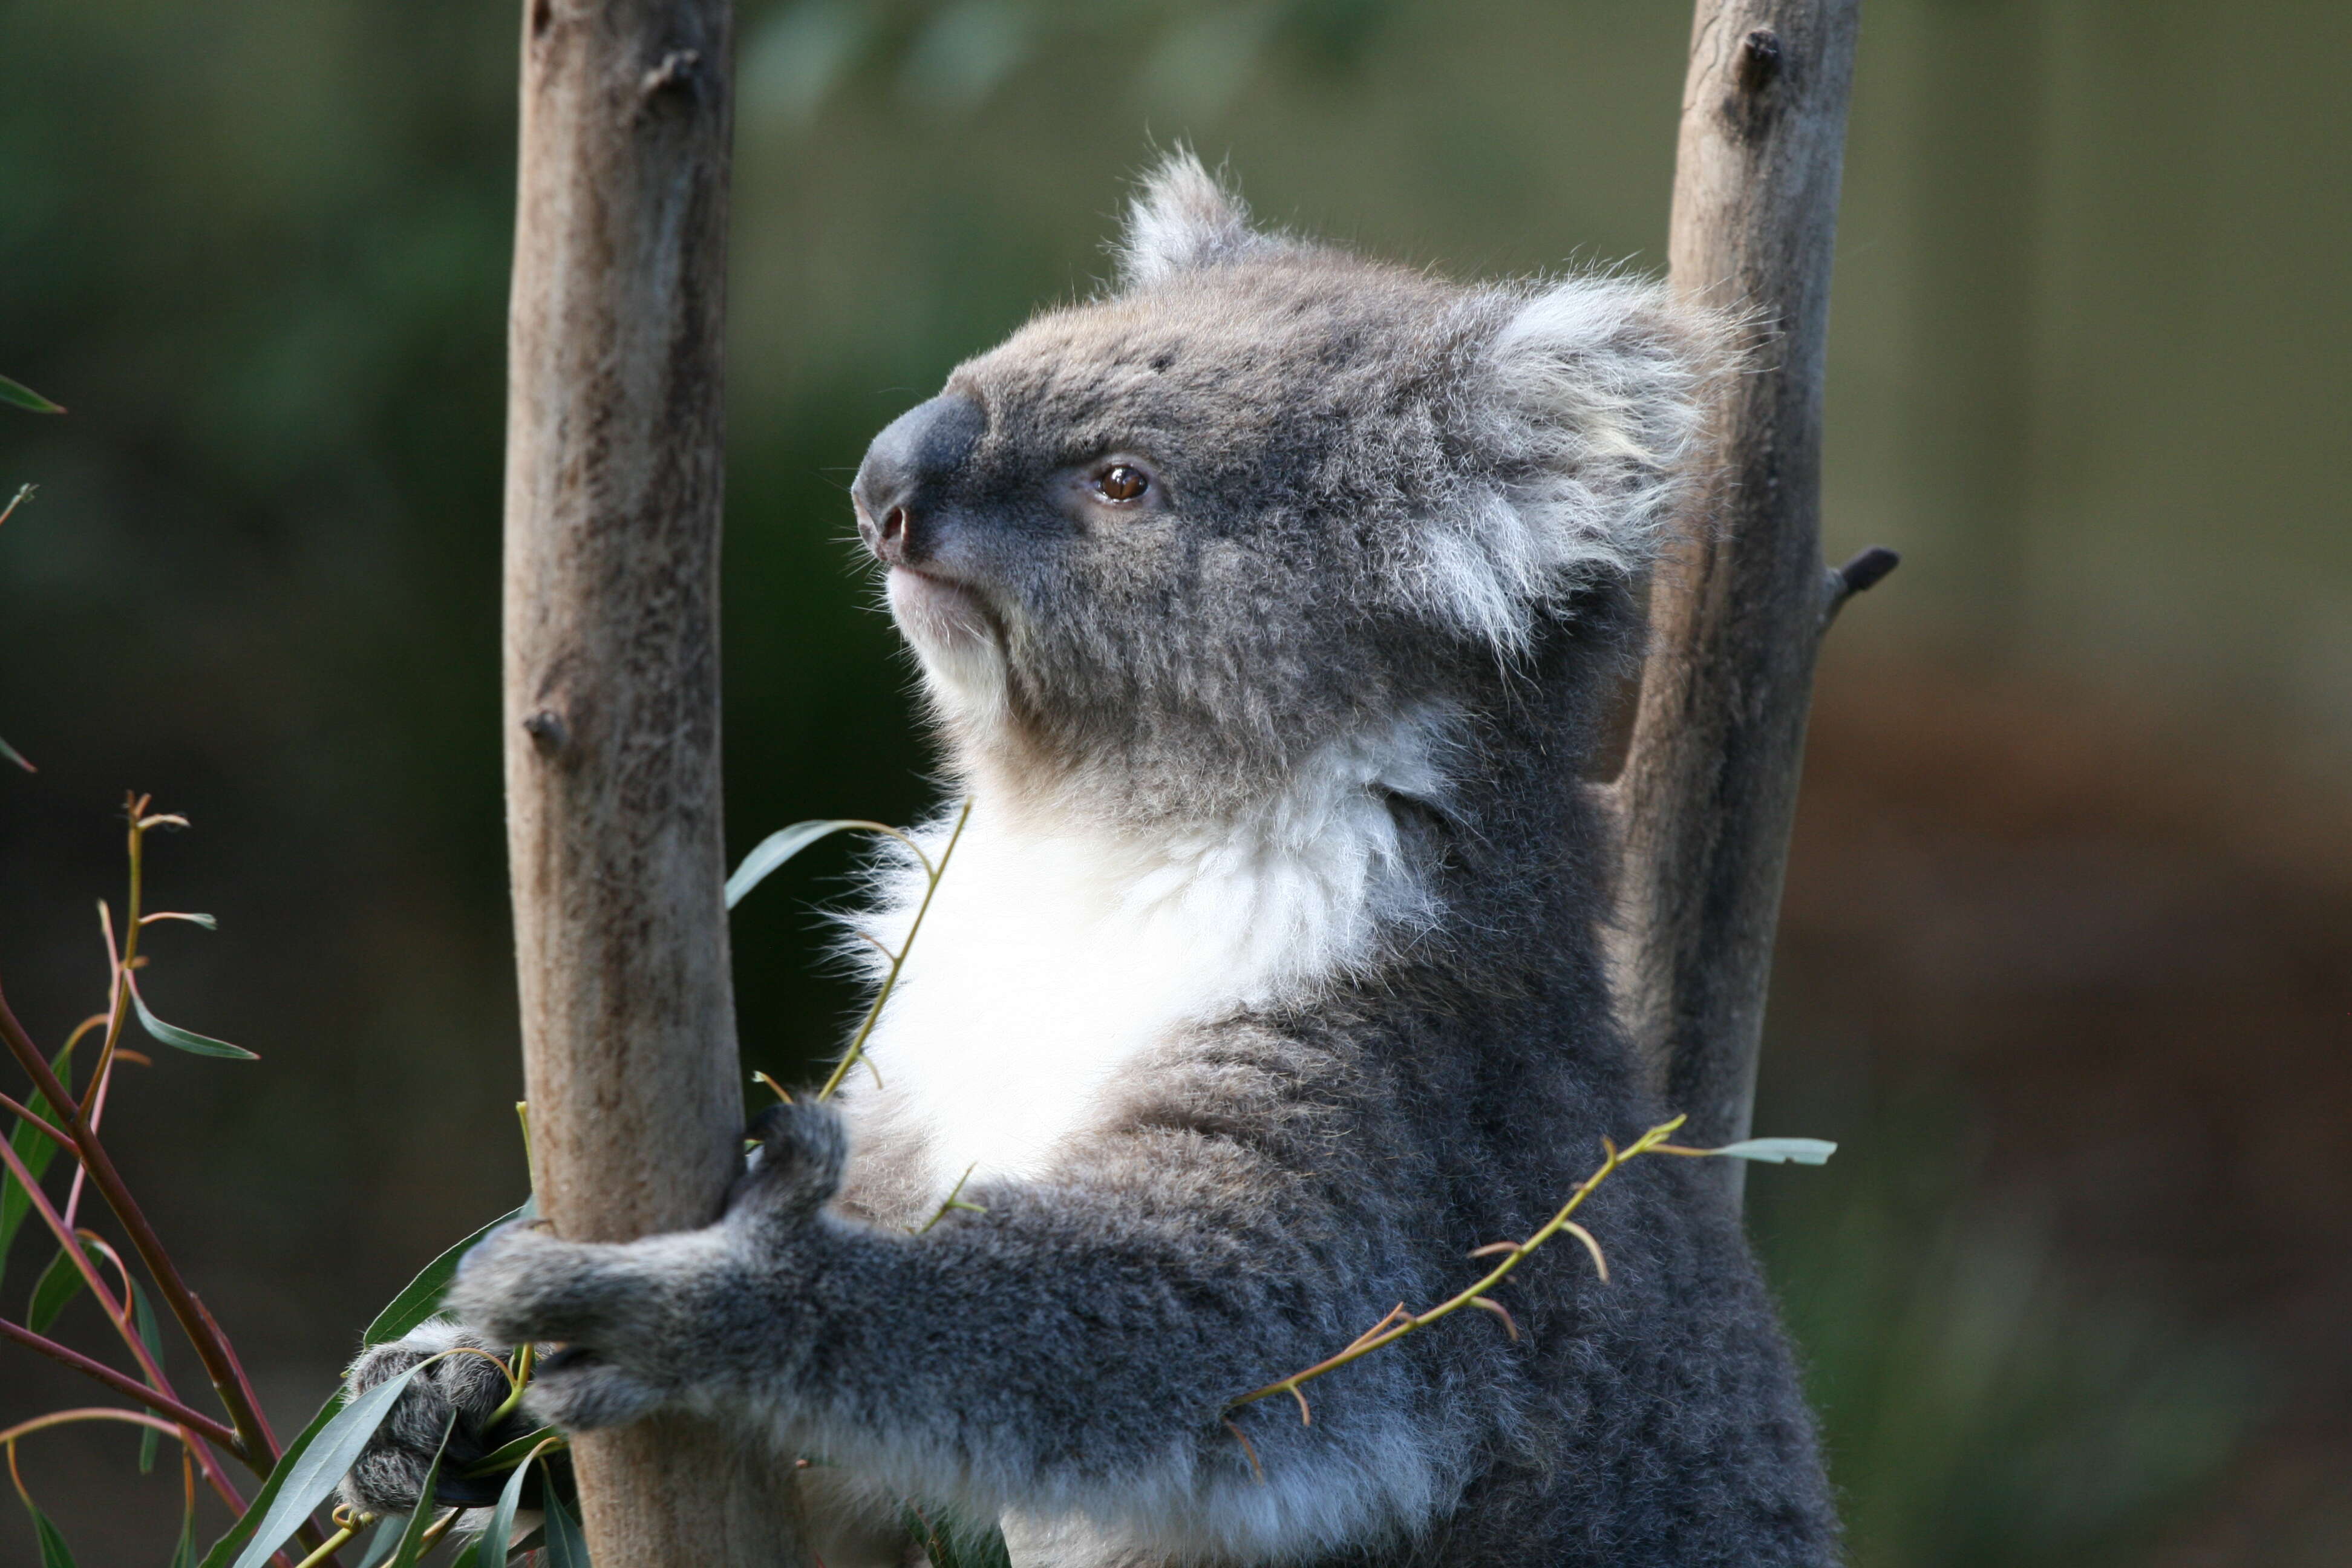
x: 1123, y: 481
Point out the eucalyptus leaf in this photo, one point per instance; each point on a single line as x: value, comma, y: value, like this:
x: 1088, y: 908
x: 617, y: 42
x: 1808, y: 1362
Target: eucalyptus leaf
x: 421, y: 1297
x: 778, y: 847
x: 950, y: 1543
x: 505, y: 1456
x: 22, y: 397
x: 186, y: 1039
x: 184, y: 1555
x: 288, y: 1458
x: 60, y: 1283
x: 1780, y: 1151
x: 492, y: 1546
x: 382, y: 1542
x: 566, y: 1546
x: 54, y: 1552
x: 306, y: 1479
x: 143, y: 1312
x: 412, y: 1538
x: 34, y: 1148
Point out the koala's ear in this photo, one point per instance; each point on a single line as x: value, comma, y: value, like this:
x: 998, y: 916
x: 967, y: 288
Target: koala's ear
x: 1182, y: 218
x: 1593, y: 395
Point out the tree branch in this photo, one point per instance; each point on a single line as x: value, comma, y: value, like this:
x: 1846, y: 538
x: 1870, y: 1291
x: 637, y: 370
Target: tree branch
x: 1708, y: 787
x: 614, y: 463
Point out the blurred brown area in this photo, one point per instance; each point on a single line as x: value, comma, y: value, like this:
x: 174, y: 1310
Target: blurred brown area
x: 2088, y: 957
x: 2064, y: 962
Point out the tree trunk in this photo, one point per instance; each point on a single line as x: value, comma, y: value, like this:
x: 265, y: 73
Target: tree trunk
x: 614, y: 478
x: 1709, y: 785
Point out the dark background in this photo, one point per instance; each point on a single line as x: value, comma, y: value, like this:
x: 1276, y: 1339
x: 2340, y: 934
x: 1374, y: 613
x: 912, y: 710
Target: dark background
x: 2064, y: 960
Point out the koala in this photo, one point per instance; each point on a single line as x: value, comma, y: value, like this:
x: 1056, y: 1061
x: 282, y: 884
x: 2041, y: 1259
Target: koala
x: 1266, y: 606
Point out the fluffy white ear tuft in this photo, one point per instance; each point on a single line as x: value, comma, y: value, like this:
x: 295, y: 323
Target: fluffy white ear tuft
x: 1182, y: 218
x: 1593, y: 403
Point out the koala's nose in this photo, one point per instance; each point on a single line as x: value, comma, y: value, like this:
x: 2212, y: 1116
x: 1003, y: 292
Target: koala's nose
x: 900, y: 485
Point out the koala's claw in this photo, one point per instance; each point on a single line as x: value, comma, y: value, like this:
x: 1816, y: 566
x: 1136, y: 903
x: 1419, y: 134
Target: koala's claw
x: 388, y: 1475
x: 522, y: 1284
x: 578, y: 1391
x: 621, y: 1313
x: 804, y: 1149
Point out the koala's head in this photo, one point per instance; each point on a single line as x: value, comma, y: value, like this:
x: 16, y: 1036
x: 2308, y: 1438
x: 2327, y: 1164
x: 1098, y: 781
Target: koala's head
x: 1265, y: 498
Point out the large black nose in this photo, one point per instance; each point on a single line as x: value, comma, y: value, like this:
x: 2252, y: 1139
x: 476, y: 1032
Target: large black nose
x: 903, y: 481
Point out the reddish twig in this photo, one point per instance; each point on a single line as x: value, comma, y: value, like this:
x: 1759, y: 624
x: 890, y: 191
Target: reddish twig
x: 41, y: 1125
x: 123, y: 1382
x: 250, y: 1442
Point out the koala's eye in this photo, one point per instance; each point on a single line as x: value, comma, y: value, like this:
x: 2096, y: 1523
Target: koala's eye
x: 1122, y: 481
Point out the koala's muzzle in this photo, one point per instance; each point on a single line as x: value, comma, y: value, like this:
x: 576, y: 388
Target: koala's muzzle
x: 901, y: 485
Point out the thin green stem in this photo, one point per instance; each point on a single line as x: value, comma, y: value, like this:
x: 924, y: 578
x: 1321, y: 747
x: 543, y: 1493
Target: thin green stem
x: 518, y: 1380
x: 1399, y: 1323
x: 954, y: 1200
x: 329, y: 1547
x: 897, y: 959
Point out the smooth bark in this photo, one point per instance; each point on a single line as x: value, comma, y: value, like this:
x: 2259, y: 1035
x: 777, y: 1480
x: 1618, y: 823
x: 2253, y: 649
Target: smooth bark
x: 614, y: 478
x: 1710, y: 782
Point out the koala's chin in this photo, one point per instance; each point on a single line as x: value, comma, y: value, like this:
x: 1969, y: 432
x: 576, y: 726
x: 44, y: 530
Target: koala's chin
x: 1269, y: 603
x: 950, y: 632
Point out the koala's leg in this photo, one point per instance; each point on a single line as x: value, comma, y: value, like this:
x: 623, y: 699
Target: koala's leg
x: 1074, y: 1350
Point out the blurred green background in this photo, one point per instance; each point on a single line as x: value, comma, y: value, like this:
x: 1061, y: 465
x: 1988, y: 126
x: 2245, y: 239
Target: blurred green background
x: 2064, y: 961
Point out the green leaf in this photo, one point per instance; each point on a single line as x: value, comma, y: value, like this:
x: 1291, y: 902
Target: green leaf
x: 383, y: 1542
x: 306, y: 1477
x: 1780, y: 1151
x: 143, y: 1312
x: 421, y: 1297
x: 288, y: 1458
x: 24, y: 396
x: 60, y: 1283
x: 492, y: 1546
x: 947, y: 1543
x: 507, y: 1455
x: 778, y: 847
x: 186, y: 1039
x: 417, y: 1302
x: 17, y: 757
x: 412, y: 1538
x: 54, y: 1554
x: 184, y: 1555
x: 34, y: 1148
x: 566, y: 1547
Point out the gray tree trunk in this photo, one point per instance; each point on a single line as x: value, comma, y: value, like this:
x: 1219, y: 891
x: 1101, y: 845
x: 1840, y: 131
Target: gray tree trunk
x: 614, y: 476
x: 1710, y: 782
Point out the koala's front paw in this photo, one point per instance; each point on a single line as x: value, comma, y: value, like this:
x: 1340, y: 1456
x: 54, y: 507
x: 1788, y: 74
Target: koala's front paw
x: 624, y: 1318
x: 645, y: 1324
x: 390, y: 1473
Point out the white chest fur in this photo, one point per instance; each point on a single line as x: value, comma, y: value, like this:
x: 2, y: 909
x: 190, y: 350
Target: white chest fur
x: 1049, y: 959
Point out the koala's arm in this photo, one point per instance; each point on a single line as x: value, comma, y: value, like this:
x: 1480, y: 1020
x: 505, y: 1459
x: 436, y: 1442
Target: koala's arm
x: 1076, y: 1345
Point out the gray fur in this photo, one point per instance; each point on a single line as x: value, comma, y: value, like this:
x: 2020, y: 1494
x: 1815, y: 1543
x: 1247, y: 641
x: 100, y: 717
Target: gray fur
x: 1376, y: 497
